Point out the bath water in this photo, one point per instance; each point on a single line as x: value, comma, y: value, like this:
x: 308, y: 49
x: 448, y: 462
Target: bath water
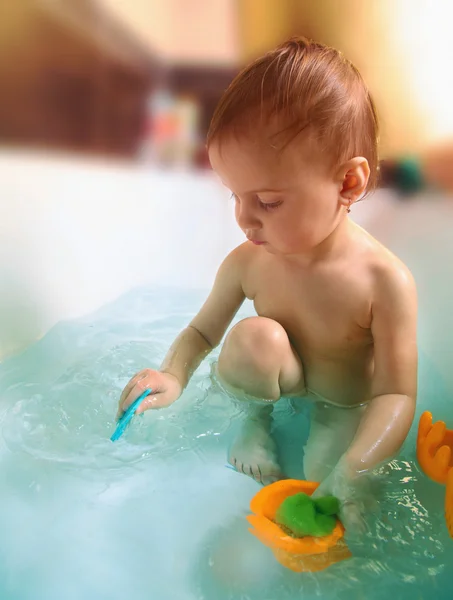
x: 156, y: 514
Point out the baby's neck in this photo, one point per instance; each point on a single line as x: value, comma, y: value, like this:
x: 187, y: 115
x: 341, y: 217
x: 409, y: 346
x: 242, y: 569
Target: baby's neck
x: 332, y: 247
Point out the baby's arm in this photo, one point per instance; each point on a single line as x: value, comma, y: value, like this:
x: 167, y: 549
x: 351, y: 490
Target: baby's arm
x: 389, y: 415
x: 207, y: 329
x: 193, y: 344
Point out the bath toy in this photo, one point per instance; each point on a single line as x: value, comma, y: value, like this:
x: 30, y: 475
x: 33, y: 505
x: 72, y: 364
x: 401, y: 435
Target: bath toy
x: 449, y: 503
x: 300, y: 554
x: 434, y: 448
x: 435, y: 457
x: 126, y: 418
x: 405, y: 175
x: 409, y: 177
x: 301, y: 515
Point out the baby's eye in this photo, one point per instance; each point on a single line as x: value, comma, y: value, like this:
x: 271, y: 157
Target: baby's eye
x: 270, y: 205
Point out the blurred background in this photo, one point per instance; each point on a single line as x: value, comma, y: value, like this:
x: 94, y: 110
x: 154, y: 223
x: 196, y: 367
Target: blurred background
x: 139, y: 79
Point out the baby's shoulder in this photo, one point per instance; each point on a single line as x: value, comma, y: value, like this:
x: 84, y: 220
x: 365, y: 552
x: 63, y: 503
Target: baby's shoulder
x: 238, y: 262
x: 387, y: 272
x: 243, y: 255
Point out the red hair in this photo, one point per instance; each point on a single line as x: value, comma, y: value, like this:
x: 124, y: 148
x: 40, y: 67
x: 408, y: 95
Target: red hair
x: 308, y: 87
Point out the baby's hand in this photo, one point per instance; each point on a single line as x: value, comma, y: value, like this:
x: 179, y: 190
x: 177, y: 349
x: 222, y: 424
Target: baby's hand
x: 165, y: 390
x: 352, y: 490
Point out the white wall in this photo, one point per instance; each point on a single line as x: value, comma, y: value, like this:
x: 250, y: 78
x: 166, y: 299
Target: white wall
x: 74, y: 235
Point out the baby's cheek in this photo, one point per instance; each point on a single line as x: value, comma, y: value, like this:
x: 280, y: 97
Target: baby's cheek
x: 299, y: 238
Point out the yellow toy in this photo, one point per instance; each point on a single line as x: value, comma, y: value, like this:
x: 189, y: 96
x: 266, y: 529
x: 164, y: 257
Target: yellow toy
x: 305, y: 554
x: 435, y: 457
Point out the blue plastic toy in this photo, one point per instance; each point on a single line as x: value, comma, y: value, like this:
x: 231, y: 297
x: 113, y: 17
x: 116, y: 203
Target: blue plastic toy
x: 126, y: 418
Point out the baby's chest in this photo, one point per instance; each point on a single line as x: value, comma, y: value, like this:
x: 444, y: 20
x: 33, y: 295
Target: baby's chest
x: 328, y: 315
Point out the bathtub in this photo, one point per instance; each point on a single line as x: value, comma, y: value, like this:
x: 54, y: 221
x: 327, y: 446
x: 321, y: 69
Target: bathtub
x: 75, y: 235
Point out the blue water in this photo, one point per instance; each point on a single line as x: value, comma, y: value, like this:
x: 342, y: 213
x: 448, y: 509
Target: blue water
x: 157, y: 515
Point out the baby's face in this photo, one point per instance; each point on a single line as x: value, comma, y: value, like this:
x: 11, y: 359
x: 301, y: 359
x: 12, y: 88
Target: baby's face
x: 287, y: 201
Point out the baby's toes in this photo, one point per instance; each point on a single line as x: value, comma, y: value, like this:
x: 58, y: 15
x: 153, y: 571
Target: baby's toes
x: 265, y: 474
x: 239, y: 466
x: 252, y: 471
x: 272, y: 478
x: 269, y: 471
x: 255, y: 472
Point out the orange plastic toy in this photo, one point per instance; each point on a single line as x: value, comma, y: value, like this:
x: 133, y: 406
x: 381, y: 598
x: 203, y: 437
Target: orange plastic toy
x: 449, y: 503
x: 307, y: 554
x: 435, y: 457
x: 434, y: 448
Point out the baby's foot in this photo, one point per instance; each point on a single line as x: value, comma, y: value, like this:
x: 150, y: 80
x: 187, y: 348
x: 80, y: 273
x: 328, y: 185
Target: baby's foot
x: 254, y: 452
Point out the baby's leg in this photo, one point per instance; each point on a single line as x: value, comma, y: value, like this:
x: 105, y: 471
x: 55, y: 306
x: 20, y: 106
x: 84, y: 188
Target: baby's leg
x: 332, y: 430
x: 258, y: 363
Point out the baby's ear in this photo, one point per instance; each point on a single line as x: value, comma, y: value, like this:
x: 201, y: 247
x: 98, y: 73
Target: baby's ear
x: 353, y: 178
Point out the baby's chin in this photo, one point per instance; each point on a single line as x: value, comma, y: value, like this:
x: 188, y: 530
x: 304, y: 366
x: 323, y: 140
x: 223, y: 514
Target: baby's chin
x: 270, y: 249
x: 284, y: 250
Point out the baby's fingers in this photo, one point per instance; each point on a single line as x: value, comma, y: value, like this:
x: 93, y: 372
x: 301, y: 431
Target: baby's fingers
x: 135, y: 391
x: 352, y: 518
x: 152, y: 402
x: 130, y: 386
x: 324, y: 489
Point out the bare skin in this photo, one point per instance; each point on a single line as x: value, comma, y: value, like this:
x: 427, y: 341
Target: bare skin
x: 336, y: 318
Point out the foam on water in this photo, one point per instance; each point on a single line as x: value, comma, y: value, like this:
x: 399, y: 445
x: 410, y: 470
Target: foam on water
x: 156, y: 515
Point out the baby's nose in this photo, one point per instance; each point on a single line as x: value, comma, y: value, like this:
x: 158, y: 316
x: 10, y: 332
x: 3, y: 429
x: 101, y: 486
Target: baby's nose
x: 247, y: 220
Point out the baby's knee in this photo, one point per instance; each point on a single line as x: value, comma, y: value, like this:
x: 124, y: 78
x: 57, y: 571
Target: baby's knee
x: 257, y: 338
x: 251, y: 357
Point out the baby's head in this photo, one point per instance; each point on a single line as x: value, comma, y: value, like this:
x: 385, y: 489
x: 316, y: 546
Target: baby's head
x: 294, y: 137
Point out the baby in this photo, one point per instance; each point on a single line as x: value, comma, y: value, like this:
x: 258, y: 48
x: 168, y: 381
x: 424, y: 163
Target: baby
x: 294, y: 138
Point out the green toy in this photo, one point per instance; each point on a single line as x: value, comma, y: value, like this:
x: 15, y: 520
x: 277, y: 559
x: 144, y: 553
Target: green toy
x: 301, y: 515
x: 408, y: 176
